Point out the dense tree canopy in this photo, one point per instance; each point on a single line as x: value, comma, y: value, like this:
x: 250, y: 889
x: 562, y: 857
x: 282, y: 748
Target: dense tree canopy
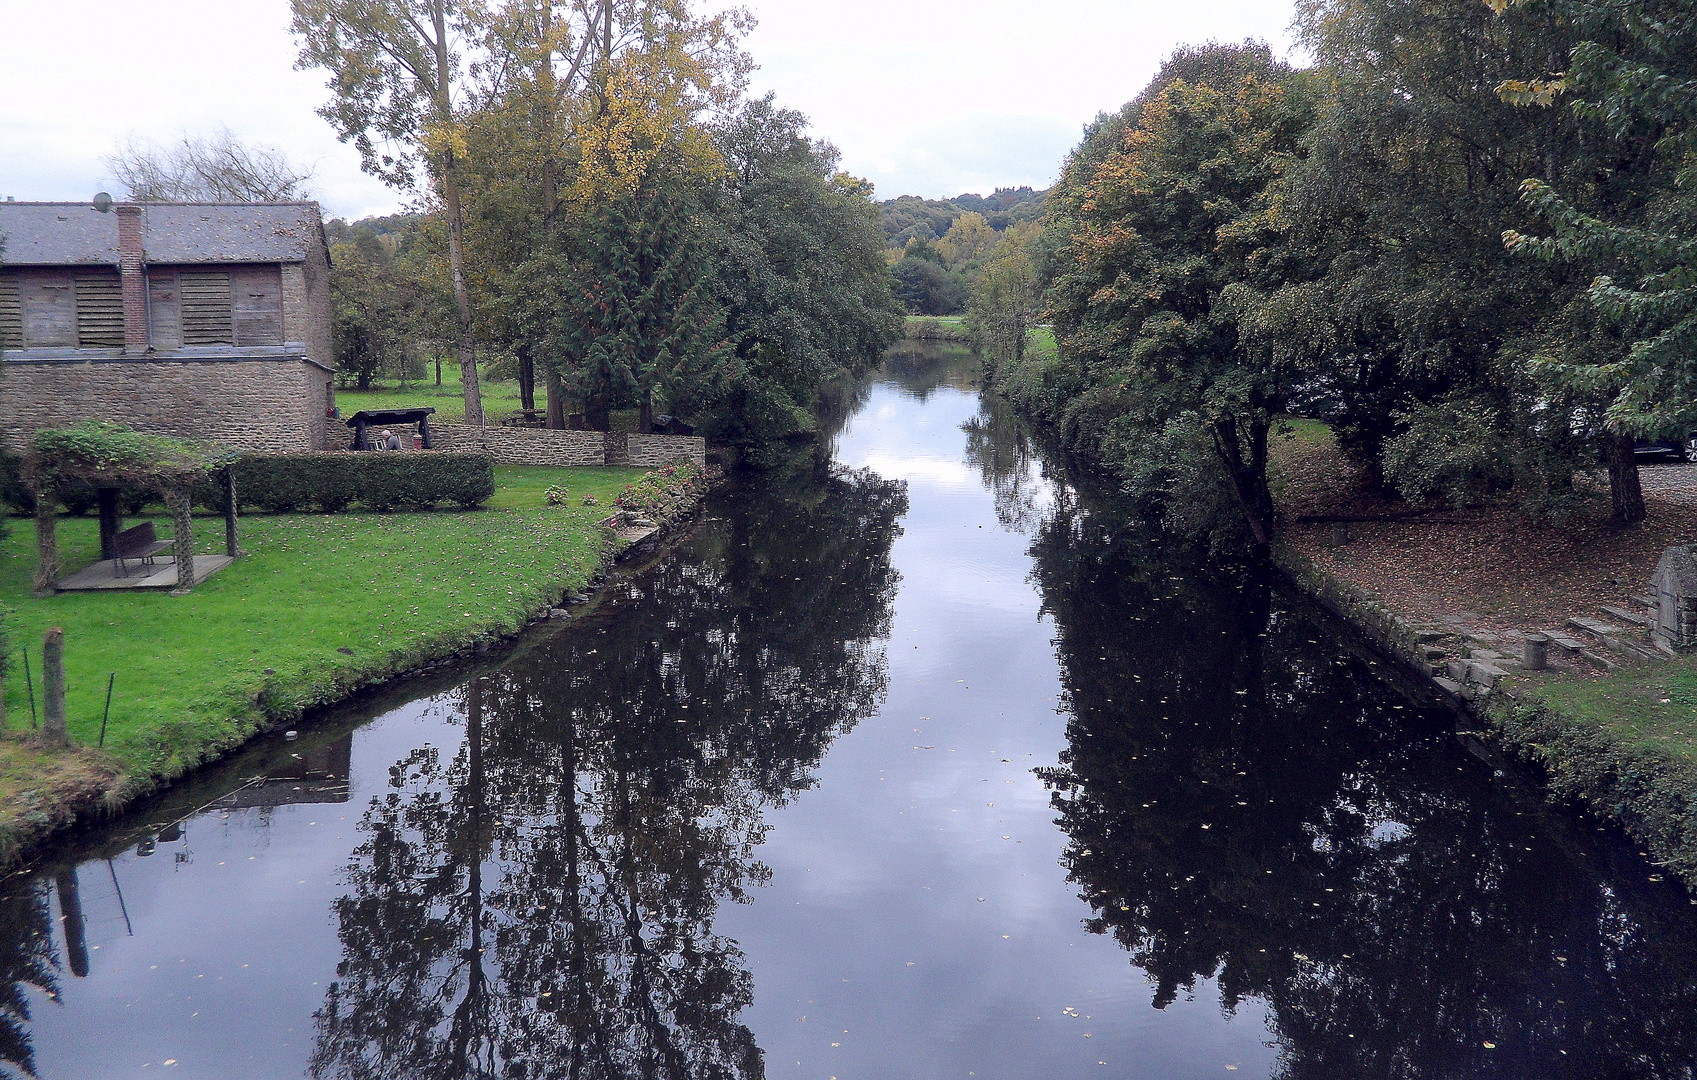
x: 1242, y: 239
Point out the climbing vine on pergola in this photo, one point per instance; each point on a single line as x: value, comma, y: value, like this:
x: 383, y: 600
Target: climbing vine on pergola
x: 113, y: 459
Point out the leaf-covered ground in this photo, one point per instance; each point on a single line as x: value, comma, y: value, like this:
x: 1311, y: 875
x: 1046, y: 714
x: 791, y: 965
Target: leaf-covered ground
x: 1490, y: 569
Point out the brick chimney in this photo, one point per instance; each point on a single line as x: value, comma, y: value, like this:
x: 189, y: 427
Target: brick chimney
x: 129, y: 271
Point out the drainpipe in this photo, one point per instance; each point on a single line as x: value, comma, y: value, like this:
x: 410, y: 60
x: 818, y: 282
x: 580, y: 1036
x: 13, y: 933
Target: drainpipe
x: 130, y: 273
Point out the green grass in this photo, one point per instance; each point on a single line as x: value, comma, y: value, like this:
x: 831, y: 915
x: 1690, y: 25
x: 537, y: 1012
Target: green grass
x: 327, y: 603
x: 1042, y: 345
x: 1647, y: 711
x: 500, y: 399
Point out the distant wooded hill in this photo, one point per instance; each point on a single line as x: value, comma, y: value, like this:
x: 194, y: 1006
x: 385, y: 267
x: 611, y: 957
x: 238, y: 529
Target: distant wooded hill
x: 910, y: 217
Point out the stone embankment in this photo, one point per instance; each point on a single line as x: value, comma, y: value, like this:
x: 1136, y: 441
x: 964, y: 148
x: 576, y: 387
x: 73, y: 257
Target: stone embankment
x: 1510, y: 683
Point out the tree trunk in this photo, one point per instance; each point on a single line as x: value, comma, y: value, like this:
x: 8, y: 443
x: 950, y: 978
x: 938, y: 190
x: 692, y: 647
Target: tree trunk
x: 1248, y: 477
x: 1624, y: 490
x: 449, y: 181
x: 645, y: 413
x: 527, y: 379
x: 597, y: 414
x: 556, y: 399
x: 438, y: 371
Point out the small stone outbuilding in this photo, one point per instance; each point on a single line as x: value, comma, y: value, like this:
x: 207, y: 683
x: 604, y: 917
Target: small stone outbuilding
x: 1674, y: 586
x: 193, y: 320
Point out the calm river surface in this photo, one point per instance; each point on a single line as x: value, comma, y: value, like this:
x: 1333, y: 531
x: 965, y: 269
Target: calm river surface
x: 910, y: 762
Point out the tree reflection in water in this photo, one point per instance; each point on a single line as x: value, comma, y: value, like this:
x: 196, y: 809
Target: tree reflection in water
x: 542, y: 903
x: 1249, y: 802
x: 28, y: 961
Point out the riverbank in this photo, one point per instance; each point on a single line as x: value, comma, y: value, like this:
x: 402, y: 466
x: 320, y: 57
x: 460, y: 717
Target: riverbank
x: 1453, y: 594
x: 321, y: 606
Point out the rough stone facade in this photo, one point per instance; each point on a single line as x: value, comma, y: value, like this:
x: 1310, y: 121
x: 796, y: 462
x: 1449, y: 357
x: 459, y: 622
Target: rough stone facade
x: 256, y: 371
x: 521, y: 446
x: 274, y: 401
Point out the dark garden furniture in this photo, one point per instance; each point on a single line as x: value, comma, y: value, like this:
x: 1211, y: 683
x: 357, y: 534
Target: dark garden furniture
x: 139, y: 544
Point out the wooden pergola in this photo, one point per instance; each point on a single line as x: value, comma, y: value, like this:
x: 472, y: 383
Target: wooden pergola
x: 114, y: 460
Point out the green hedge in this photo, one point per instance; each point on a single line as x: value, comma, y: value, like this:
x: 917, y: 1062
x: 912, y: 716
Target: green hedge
x: 332, y: 482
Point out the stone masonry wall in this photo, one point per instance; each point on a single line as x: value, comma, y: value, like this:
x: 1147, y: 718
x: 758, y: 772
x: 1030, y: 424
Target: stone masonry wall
x: 540, y: 446
x: 520, y: 446
x: 648, y: 451
x: 273, y: 404
x: 306, y: 321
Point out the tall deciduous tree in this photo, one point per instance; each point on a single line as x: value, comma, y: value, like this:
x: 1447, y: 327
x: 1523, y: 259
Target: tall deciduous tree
x: 801, y: 278
x: 1167, y: 258
x: 553, y: 73
x: 397, y: 69
x: 1007, y: 298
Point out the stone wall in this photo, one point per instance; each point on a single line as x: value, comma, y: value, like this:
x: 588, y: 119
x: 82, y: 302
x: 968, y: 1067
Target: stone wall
x: 648, y: 451
x: 540, y: 446
x: 306, y: 320
x: 273, y: 403
x: 519, y: 446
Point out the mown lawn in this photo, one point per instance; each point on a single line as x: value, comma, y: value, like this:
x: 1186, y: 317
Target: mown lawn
x: 321, y: 605
x: 500, y: 399
x: 1648, y: 709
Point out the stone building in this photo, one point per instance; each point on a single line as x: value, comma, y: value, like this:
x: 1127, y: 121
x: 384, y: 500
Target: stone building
x: 199, y: 320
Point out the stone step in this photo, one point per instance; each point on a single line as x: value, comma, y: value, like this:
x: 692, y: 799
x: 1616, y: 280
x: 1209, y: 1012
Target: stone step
x: 1448, y: 686
x: 1565, y: 642
x: 1599, y: 660
x: 1644, y: 601
x: 1595, y: 626
x: 1636, y: 619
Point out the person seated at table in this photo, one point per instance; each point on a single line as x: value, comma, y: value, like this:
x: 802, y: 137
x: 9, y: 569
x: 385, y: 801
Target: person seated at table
x: 391, y: 441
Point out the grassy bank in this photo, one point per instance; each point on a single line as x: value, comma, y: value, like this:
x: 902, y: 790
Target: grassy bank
x: 1625, y: 745
x: 321, y: 605
x: 936, y: 328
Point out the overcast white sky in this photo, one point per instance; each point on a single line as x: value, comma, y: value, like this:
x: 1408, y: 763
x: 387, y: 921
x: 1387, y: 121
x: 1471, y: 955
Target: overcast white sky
x: 924, y: 98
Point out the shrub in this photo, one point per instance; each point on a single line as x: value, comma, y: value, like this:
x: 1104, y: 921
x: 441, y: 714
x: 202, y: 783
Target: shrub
x: 554, y: 495
x: 332, y: 482
x: 657, y: 495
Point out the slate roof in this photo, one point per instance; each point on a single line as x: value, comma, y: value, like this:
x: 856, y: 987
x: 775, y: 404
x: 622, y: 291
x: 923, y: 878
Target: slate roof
x: 76, y: 234
x: 1676, y: 571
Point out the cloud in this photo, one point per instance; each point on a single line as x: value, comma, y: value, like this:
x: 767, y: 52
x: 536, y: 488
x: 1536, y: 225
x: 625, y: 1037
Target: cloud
x: 930, y: 98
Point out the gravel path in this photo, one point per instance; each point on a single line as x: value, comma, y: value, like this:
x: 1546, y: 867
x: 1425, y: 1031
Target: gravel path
x: 1674, y: 483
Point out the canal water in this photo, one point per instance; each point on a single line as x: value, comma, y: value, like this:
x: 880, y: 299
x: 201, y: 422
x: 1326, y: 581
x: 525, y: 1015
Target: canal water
x: 913, y: 760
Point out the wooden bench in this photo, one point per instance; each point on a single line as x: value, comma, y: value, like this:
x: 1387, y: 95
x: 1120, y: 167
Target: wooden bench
x: 137, y: 545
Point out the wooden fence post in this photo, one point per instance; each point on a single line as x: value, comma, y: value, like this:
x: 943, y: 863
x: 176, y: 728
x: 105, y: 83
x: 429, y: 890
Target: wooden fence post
x: 53, y: 730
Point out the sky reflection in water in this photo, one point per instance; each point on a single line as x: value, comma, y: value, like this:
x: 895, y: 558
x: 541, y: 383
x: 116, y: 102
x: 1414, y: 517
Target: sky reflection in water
x: 907, y: 767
